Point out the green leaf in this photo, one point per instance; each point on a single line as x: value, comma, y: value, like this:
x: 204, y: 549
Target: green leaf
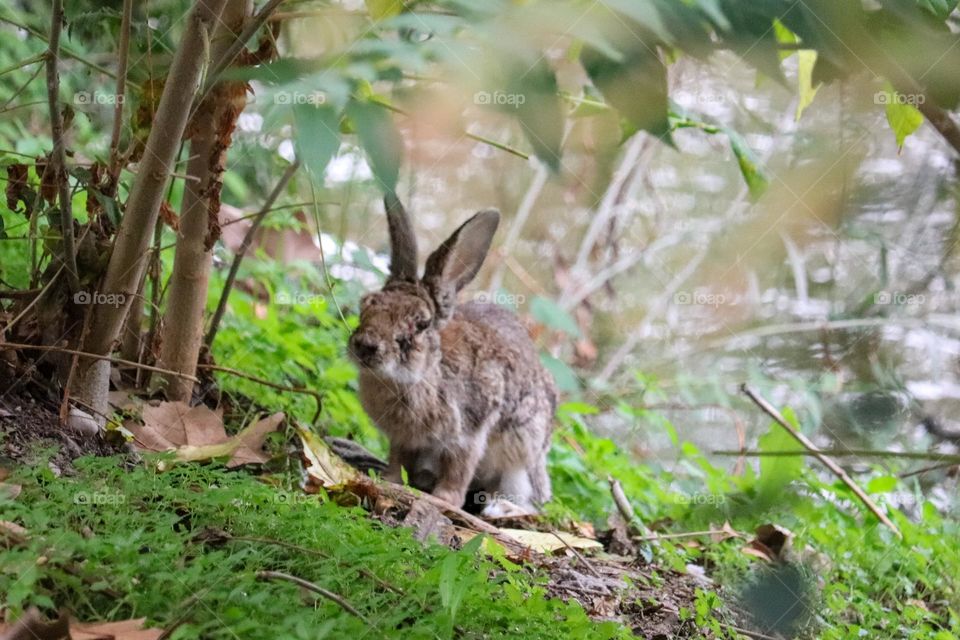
x: 383, y: 9
x: 380, y: 139
x: 547, y: 312
x: 882, y: 484
x: 806, y: 61
x: 318, y: 136
x: 941, y: 9
x: 750, y: 168
x: 636, y: 87
x: 777, y: 471
x: 531, y: 94
x: 903, y: 118
x: 567, y: 381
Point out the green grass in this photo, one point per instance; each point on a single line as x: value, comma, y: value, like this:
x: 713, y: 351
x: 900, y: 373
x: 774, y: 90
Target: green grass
x: 119, y: 543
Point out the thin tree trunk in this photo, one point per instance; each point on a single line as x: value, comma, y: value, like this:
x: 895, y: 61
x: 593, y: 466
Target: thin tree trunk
x: 133, y: 237
x: 199, y: 225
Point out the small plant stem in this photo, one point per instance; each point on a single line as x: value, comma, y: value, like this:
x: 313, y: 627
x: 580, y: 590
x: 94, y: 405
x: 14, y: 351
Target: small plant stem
x: 58, y: 160
x: 329, y: 595
x: 836, y: 469
x: 242, y: 251
x: 316, y: 552
x: 240, y: 374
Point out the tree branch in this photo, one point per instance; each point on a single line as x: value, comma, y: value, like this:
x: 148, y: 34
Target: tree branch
x: 58, y: 159
x: 244, y: 247
x: 834, y: 468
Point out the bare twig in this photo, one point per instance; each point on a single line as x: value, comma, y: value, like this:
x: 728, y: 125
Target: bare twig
x: 244, y: 247
x: 282, y: 387
x: 329, y: 595
x: 92, y: 356
x: 653, y: 537
x: 858, y: 453
x: 58, y: 159
x: 834, y: 468
x: 580, y: 557
x: 935, y: 467
x: 122, y: 59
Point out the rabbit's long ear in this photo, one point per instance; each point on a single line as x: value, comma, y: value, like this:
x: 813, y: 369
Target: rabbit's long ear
x: 403, y: 242
x: 458, y: 259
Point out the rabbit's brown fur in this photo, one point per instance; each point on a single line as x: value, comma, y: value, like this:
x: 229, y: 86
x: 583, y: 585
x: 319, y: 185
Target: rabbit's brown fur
x: 458, y: 389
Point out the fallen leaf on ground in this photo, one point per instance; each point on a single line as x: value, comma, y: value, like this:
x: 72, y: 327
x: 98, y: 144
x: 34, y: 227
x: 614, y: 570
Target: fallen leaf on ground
x: 32, y: 626
x: 12, y: 534
x: 324, y: 467
x: 771, y: 543
x: 724, y: 533
x: 197, y: 433
x: 550, y: 541
x: 10, y: 491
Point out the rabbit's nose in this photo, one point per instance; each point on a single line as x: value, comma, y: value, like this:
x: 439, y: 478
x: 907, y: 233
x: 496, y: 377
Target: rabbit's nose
x: 363, y: 347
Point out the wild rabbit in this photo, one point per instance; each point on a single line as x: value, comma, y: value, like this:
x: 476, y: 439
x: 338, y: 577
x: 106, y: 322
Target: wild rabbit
x: 458, y: 389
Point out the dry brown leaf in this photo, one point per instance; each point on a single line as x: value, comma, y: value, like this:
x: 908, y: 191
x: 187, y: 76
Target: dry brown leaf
x: 252, y: 439
x: 125, y: 401
x: 12, y: 534
x: 182, y: 424
x: 122, y: 630
x: 724, y: 533
x: 10, y: 491
x: 197, y: 433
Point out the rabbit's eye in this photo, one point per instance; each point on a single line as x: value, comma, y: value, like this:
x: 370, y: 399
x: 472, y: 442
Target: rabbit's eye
x: 422, y: 325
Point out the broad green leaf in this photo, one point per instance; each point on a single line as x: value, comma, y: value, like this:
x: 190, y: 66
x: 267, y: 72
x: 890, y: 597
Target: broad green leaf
x: 806, y: 61
x: 383, y: 9
x: 530, y: 93
x: 318, y: 136
x: 777, y: 471
x: 635, y: 87
x: 380, y: 139
x: 903, y: 118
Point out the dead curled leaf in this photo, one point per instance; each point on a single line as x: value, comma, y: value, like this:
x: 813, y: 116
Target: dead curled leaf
x: 197, y: 433
x: 771, y: 543
x: 325, y: 469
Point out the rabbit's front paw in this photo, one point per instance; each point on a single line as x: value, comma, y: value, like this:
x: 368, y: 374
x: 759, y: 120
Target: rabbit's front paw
x: 503, y: 508
x: 450, y: 496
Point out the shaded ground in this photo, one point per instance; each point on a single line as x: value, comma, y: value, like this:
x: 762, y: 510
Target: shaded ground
x: 644, y: 597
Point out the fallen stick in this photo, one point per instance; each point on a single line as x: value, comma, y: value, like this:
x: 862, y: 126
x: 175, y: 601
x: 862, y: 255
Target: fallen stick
x: 836, y: 469
x: 406, y: 497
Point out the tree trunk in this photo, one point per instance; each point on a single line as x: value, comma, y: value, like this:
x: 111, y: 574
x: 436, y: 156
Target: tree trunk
x: 129, y: 253
x: 210, y: 133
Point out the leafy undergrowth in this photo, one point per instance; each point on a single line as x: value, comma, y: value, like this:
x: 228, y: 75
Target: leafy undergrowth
x: 844, y: 576
x: 116, y: 543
